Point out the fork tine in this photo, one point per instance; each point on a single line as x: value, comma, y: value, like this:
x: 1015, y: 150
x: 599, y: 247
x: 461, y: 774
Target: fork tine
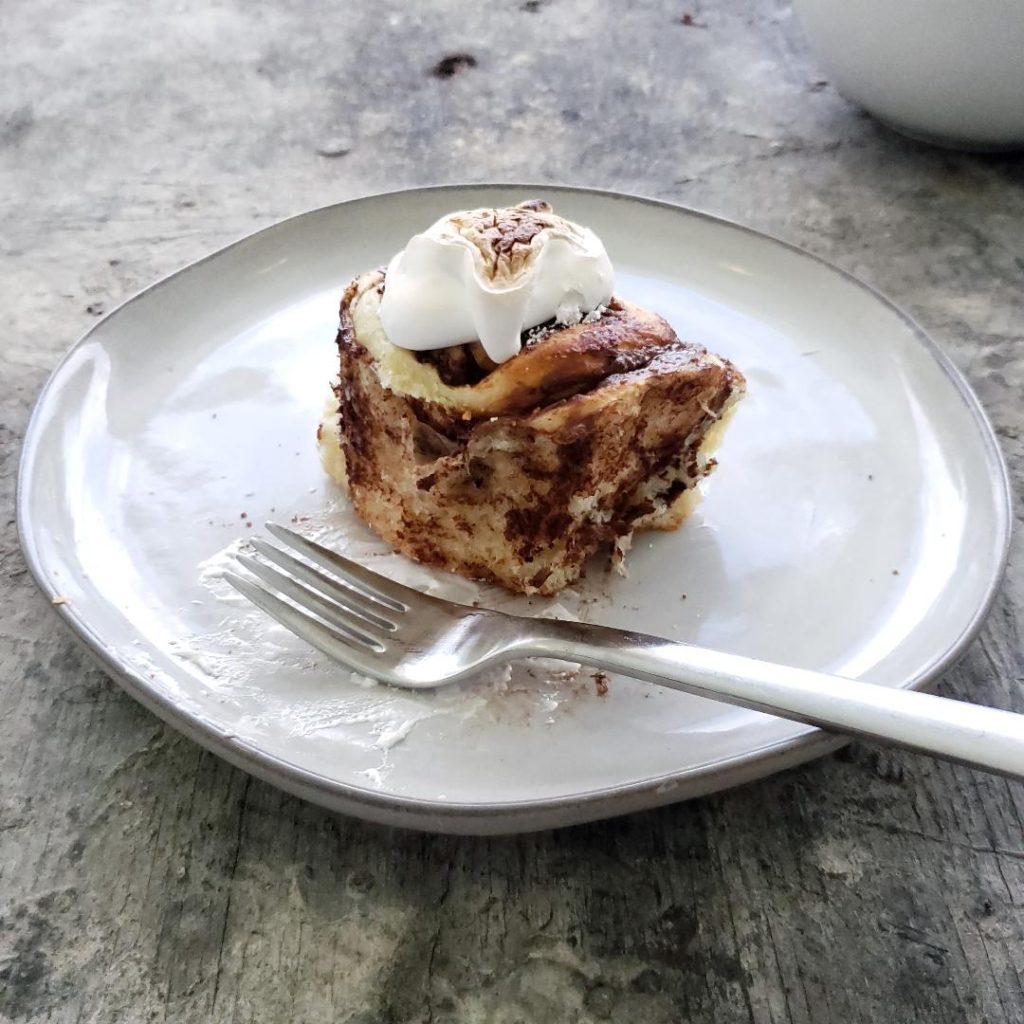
x: 352, y: 600
x: 302, y: 625
x: 309, y: 600
x: 380, y: 588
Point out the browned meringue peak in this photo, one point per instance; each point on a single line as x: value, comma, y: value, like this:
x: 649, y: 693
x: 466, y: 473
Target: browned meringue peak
x: 488, y: 275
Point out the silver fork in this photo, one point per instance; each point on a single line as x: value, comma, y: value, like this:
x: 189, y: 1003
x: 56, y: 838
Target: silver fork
x: 395, y: 634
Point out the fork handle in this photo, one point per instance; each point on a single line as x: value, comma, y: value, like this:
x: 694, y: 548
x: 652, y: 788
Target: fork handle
x: 969, y: 734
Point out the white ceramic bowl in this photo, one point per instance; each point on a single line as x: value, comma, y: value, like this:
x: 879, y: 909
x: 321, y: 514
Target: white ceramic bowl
x: 942, y: 70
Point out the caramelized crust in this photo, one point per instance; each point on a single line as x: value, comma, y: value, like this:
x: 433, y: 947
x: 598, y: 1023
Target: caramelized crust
x: 519, y: 474
x: 503, y: 237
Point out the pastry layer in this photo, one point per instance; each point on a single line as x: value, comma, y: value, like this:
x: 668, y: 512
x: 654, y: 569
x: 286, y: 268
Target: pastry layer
x: 516, y: 474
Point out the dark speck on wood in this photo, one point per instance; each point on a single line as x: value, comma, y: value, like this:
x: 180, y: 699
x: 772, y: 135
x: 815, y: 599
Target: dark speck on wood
x: 448, y: 67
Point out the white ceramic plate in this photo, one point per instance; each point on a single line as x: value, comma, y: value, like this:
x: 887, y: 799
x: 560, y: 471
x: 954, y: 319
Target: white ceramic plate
x: 858, y: 522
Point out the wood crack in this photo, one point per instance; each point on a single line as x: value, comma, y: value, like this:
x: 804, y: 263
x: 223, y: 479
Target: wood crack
x: 434, y: 944
x: 892, y: 829
x: 231, y: 886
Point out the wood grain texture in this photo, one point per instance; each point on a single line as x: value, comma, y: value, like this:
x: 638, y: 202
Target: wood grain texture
x: 141, y: 879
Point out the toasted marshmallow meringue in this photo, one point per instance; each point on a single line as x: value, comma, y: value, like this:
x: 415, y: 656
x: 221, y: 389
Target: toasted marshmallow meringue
x: 490, y: 275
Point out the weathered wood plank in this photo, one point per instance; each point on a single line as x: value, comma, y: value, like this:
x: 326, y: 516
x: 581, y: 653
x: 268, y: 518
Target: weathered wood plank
x: 141, y: 879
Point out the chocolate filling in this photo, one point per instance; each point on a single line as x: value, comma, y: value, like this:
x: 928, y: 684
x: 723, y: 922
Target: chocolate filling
x: 459, y: 365
x: 466, y: 365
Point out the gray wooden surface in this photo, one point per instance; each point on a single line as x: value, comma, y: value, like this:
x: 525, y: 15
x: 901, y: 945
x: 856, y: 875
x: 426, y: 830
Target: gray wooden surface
x: 140, y: 878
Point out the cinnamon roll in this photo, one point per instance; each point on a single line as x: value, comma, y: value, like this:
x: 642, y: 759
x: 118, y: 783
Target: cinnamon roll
x: 500, y: 414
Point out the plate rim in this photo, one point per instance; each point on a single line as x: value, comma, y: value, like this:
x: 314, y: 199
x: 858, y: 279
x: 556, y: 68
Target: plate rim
x: 522, y: 814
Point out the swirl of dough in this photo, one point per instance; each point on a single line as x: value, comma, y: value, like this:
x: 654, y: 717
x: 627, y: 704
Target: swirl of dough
x: 516, y: 472
x: 554, y: 361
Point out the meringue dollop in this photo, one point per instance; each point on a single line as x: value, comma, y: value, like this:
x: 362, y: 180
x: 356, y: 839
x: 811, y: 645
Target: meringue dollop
x: 489, y: 275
